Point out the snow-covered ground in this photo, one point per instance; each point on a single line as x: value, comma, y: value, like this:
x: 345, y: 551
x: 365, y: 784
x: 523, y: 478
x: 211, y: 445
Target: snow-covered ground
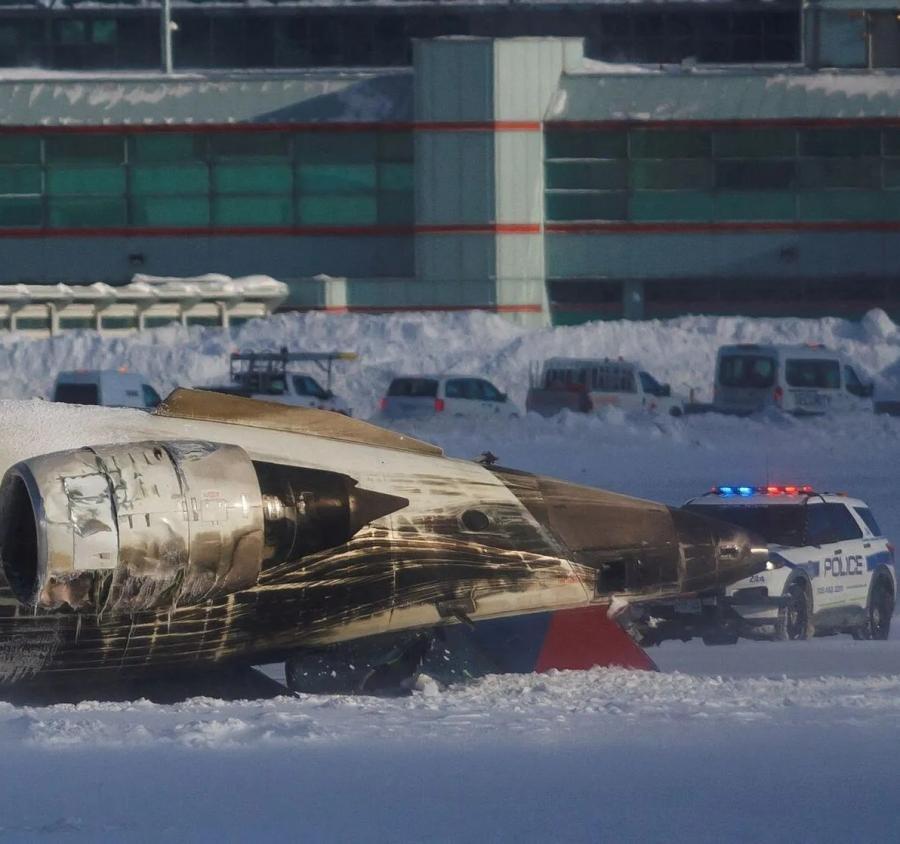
x: 782, y: 742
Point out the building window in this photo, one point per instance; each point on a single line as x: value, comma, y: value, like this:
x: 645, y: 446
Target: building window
x: 201, y: 180
x: 780, y: 174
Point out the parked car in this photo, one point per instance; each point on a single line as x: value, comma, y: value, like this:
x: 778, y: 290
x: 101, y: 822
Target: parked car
x: 830, y: 570
x: 108, y: 387
x: 422, y: 396
x: 268, y: 376
x: 801, y: 380
x: 587, y: 385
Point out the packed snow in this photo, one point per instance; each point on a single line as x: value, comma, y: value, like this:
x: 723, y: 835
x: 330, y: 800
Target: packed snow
x: 784, y: 742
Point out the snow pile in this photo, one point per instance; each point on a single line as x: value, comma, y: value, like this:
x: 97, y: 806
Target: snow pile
x: 680, y: 351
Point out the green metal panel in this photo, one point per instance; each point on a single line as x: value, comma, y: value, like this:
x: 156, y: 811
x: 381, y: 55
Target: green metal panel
x: 172, y: 146
x: 858, y: 140
x: 252, y: 211
x: 671, y: 174
x: 760, y: 205
x: 86, y: 180
x: 754, y: 143
x: 671, y: 205
x: 252, y: 178
x: 20, y: 180
x: 586, y: 205
x: 250, y: 145
x: 360, y: 209
x: 20, y: 211
x: 344, y: 147
x: 170, y: 211
x: 609, y: 175
x: 20, y: 149
x: 336, y: 178
x: 85, y: 148
x: 839, y: 173
x: 87, y: 212
x: 563, y: 143
x: 892, y: 173
x: 669, y: 143
x: 169, y: 179
x: 848, y: 205
x: 396, y: 177
x: 395, y: 208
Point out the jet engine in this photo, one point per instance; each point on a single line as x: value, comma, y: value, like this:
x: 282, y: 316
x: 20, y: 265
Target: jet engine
x: 148, y: 525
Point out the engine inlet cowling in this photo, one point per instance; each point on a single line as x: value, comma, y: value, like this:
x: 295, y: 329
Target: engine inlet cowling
x: 131, y: 527
x: 143, y: 526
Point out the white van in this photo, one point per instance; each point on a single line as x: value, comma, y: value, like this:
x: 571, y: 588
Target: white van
x: 424, y: 396
x: 108, y: 387
x: 587, y: 385
x: 797, y: 379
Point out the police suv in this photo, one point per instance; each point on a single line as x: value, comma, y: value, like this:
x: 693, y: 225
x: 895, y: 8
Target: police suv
x: 830, y: 570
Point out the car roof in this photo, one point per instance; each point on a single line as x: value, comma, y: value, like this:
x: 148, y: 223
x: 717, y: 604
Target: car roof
x: 444, y: 377
x: 797, y: 350
x: 759, y: 500
x: 89, y: 376
x: 571, y: 363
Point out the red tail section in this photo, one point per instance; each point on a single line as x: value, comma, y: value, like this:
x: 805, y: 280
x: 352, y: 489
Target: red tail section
x: 585, y: 637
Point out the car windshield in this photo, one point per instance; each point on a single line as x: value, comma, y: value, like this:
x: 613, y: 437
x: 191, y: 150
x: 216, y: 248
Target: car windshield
x: 823, y: 374
x: 747, y: 371
x: 651, y: 386
x: 779, y: 524
x: 413, y: 387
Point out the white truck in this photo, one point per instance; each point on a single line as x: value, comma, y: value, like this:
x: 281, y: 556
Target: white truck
x: 586, y: 385
x: 269, y: 376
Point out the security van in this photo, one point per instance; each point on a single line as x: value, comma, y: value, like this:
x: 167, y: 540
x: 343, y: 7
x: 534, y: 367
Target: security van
x: 802, y: 380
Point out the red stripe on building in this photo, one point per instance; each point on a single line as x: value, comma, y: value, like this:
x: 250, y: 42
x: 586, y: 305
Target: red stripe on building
x: 275, y: 231
x: 731, y: 123
x: 338, y: 126
x: 724, y: 227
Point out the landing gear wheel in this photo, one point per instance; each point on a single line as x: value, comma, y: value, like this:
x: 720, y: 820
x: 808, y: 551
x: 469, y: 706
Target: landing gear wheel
x: 879, y: 609
x: 720, y: 637
x: 794, y: 618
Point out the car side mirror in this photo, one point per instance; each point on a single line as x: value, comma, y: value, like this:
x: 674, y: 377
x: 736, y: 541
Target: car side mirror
x: 666, y: 390
x: 868, y: 390
x: 327, y: 394
x: 503, y: 397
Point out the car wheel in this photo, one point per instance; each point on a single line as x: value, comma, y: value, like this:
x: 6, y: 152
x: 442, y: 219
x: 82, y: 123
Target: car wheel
x: 794, y: 617
x: 720, y: 637
x: 879, y: 609
x: 675, y: 411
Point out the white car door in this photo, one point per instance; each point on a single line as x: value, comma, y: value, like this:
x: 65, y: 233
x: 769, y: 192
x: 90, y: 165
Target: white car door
x: 843, y: 570
x: 493, y: 402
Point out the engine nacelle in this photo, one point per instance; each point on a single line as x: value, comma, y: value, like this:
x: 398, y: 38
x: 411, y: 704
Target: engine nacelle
x: 149, y: 525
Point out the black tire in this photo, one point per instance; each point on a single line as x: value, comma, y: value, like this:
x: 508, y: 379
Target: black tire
x: 794, y: 619
x: 720, y: 637
x: 675, y: 411
x: 879, y: 609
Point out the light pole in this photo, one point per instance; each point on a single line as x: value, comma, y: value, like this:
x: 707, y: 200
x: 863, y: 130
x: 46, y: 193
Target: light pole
x: 166, y: 35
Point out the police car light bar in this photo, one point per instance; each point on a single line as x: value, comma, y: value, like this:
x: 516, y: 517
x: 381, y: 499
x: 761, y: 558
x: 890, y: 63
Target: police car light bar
x: 745, y: 491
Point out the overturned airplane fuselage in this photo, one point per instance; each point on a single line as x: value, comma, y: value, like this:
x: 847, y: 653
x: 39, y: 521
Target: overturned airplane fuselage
x: 221, y: 529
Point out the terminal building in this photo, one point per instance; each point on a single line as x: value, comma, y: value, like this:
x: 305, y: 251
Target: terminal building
x: 745, y: 159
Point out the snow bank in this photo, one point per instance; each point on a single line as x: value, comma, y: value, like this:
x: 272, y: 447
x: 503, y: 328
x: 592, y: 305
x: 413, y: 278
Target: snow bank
x: 680, y: 351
